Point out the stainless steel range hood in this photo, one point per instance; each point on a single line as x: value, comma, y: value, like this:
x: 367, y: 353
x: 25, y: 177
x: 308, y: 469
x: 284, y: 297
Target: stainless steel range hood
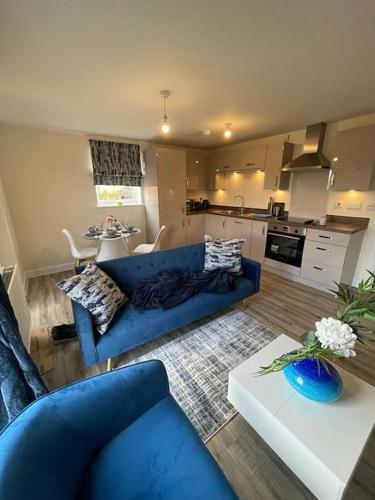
x: 312, y: 157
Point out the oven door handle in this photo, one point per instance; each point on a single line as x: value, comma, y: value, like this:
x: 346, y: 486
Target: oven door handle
x: 285, y: 235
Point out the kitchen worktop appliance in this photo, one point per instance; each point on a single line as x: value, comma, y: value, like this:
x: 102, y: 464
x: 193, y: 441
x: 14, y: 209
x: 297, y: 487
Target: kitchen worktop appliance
x: 285, y: 243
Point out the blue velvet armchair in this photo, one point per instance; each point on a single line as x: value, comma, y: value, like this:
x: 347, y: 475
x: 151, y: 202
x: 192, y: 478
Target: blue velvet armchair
x: 119, y: 435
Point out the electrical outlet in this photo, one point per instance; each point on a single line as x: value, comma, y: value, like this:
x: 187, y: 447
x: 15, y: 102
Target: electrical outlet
x: 371, y: 205
x: 337, y: 204
x: 354, y: 205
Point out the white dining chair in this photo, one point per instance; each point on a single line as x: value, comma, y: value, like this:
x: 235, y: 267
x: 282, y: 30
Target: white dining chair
x: 151, y: 247
x: 77, y: 252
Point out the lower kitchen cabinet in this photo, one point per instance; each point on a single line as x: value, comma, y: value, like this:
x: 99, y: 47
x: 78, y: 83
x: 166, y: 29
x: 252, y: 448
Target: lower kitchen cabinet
x: 216, y: 226
x: 330, y: 257
x: 175, y: 234
x: 195, y: 226
x: 240, y: 228
x: 258, y: 241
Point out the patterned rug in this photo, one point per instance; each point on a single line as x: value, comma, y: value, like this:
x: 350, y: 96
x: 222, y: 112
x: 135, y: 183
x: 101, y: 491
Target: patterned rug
x: 198, y: 364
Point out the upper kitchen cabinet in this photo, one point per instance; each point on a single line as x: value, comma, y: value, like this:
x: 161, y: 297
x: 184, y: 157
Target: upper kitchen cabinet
x: 227, y: 159
x: 215, y: 179
x: 253, y: 157
x: 277, y: 156
x: 196, y: 170
x: 353, y: 160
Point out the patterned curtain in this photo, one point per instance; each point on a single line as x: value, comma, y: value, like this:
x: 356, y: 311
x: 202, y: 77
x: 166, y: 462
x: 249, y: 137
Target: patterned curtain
x: 116, y: 163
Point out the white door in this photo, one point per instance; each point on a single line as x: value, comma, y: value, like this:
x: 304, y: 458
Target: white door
x: 240, y: 228
x: 216, y: 226
x: 194, y: 229
x: 258, y: 241
x: 175, y: 233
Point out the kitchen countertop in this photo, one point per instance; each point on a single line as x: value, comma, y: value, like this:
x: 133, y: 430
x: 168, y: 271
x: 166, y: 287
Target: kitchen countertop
x: 337, y: 224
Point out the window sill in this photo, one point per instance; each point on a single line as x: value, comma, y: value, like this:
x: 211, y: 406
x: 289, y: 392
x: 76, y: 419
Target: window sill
x: 116, y: 205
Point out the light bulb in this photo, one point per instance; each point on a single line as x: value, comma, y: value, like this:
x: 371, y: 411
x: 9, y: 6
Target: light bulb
x: 165, y: 128
x: 227, y: 132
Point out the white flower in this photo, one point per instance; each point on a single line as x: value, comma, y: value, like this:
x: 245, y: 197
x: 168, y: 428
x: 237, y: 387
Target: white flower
x: 336, y: 335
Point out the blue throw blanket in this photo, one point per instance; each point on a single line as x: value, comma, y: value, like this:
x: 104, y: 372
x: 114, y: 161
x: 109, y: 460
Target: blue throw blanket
x: 19, y: 378
x: 169, y: 288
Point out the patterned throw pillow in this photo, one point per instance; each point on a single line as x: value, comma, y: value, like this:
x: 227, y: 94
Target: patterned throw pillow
x: 223, y: 254
x: 97, y: 293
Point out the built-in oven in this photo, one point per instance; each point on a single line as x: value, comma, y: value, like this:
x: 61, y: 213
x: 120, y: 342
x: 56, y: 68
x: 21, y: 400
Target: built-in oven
x: 285, y: 244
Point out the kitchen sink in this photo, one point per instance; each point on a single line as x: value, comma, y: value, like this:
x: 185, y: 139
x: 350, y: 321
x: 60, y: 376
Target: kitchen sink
x: 227, y: 212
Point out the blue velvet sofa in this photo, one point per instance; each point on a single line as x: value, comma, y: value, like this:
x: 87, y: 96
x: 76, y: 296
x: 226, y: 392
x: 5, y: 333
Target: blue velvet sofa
x: 130, y: 327
x: 119, y: 435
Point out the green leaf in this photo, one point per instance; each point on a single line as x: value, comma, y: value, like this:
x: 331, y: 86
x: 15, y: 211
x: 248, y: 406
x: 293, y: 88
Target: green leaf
x: 308, y: 338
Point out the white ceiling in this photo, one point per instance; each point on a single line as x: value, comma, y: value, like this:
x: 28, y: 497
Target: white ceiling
x: 267, y: 66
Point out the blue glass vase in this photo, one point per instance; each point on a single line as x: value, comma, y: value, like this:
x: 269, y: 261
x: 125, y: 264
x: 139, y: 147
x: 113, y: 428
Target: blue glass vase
x: 312, y: 380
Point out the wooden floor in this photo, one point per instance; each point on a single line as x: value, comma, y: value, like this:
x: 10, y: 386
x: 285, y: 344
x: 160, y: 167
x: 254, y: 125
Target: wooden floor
x: 251, y: 466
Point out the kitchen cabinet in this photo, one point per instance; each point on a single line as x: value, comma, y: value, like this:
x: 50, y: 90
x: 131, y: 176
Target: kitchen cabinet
x: 353, y: 160
x: 196, y: 170
x: 171, y: 182
x: 175, y: 233
x: 258, y: 241
x: 330, y: 257
x: 240, y: 228
x: 227, y: 160
x: 253, y: 157
x: 216, y: 226
x: 195, y: 227
x: 164, y: 193
x: 254, y: 233
x: 215, y: 179
x: 277, y: 156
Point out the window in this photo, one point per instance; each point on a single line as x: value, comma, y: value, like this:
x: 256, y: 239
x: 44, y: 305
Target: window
x: 108, y: 196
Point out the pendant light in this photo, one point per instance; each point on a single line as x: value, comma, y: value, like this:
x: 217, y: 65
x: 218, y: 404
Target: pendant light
x: 165, y: 128
x: 228, y: 132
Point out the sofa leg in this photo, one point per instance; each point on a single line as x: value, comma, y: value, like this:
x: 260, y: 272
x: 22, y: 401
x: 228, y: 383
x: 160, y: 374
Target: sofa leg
x: 109, y: 364
x: 244, y: 303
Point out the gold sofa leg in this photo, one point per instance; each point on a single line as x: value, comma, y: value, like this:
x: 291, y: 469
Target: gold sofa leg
x: 244, y: 303
x: 109, y: 364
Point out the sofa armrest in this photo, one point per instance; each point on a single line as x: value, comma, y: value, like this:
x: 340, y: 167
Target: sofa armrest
x: 251, y: 271
x: 86, y: 333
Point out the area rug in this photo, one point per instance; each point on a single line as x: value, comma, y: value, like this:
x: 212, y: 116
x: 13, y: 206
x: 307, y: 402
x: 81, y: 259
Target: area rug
x: 198, y: 364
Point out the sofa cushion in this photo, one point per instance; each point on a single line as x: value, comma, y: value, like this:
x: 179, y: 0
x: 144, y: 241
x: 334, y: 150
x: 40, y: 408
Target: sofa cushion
x: 96, y: 292
x: 132, y: 327
x: 157, y: 456
x: 223, y: 254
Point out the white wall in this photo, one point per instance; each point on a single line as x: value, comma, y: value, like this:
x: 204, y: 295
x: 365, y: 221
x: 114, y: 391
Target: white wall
x: 9, y: 256
x: 47, y: 177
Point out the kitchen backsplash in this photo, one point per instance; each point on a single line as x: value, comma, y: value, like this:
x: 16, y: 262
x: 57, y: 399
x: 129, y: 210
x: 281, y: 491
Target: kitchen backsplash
x: 248, y: 185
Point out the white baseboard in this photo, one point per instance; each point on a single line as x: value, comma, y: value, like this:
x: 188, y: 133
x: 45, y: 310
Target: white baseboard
x: 43, y: 271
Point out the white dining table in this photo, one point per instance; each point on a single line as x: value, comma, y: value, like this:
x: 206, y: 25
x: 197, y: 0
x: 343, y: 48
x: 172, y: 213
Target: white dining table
x: 112, y: 247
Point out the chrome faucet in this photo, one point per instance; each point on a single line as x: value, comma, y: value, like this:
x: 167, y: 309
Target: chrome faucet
x: 242, y: 203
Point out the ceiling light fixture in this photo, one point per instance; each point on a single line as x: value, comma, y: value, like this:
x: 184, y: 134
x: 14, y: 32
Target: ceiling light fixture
x: 228, y: 132
x: 165, y: 128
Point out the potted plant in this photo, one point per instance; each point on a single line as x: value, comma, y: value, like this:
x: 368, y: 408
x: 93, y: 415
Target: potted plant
x: 308, y: 369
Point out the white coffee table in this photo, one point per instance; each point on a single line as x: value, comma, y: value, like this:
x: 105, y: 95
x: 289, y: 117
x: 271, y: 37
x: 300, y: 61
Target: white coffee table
x: 320, y: 442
